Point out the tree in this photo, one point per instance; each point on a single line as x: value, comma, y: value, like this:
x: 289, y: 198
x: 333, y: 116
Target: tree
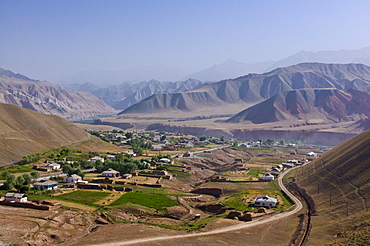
x: 6, y: 174
x: 235, y: 144
x: 20, y: 180
x: 270, y: 141
x: 128, y: 135
x: 163, y: 137
x: 10, y: 183
x: 67, y: 169
x: 202, y: 138
x: 138, y: 151
x: 27, y: 179
x: 35, y: 175
x: 222, y: 139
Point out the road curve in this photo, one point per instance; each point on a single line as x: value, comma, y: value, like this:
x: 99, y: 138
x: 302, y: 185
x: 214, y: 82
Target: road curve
x: 298, y: 206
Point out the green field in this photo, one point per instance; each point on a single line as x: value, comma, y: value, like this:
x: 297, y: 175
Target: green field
x: 236, y: 202
x: 86, y: 197
x: 151, y: 200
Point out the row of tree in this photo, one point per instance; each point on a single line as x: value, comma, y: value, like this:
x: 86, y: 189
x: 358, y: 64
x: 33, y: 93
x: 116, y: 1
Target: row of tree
x: 21, y: 183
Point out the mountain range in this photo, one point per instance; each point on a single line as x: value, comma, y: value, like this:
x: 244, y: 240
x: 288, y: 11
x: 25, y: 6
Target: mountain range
x: 248, y: 90
x: 227, y: 70
x: 124, y: 95
x: 47, y: 98
x: 312, y: 106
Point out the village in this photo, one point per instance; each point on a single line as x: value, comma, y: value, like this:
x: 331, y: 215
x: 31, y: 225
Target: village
x: 193, y: 179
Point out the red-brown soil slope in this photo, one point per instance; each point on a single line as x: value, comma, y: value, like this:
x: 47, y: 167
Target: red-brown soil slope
x: 319, y: 105
x: 254, y: 88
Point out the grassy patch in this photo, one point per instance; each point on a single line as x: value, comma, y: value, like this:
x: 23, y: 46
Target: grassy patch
x: 236, y: 201
x: 17, y: 169
x: 255, y: 172
x: 180, y: 174
x: 86, y: 197
x: 151, y: 200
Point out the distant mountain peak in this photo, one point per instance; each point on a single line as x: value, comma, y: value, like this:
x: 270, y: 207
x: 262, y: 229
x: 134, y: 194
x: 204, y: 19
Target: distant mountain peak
x: 10, y: 74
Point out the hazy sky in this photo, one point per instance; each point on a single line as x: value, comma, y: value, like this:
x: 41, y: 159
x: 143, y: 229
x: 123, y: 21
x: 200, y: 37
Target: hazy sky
x: 50, y: 40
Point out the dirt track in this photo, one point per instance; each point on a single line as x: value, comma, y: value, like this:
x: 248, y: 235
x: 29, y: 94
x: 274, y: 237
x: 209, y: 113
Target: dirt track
x: 297, y: 208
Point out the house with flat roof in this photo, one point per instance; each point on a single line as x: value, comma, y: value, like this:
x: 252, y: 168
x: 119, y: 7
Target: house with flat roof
x: 53, y: 165
x: 15, y: 197
x: 45, y: 185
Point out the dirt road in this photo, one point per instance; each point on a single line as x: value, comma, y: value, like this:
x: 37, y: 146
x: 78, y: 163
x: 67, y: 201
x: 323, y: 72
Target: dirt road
x: 298, y: 206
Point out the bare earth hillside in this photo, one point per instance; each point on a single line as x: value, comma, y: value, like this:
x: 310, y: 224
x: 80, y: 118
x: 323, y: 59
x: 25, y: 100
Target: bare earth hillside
x: 47, y: 98
x: 340, y: 185
x: 23, y: 131
x: 311, y: 105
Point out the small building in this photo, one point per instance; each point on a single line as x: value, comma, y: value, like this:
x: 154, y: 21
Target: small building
x: 53, y: 165
x: 96, y: 158
x: 265, y: 201
x: 127, y: 176
x: 74, y: 178
x: 165, y: 160
x: 275, y: 170
x: 188, y: 145
x: 188, y: 154
x: 15, y: 197
x: 45, y: 185
x: 312, y: 154
x: 111, y: 157
x: 110, y: 173
x: 268, y: 177
x: 293, y: 161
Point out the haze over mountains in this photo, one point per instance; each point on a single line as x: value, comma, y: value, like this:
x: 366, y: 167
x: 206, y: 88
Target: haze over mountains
x: 227, y: 70
x: 47, y: 98
x: 126, y: 94
x: 253, y: 88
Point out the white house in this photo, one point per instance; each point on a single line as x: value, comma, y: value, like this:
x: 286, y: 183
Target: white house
x: 268, y: 176
x: 74, y: 178
x: 53, y: 165
x: 110, y: 173
x: 127, y: 176
x: 312, y: 154
x: 165, y: 160
x: 265, y: 201
x: 294, y: 161
x: 96, y: 158
x: 15, y: 197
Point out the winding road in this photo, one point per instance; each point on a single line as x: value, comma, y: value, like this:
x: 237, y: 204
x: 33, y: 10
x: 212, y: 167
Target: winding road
x: 298, y: 206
